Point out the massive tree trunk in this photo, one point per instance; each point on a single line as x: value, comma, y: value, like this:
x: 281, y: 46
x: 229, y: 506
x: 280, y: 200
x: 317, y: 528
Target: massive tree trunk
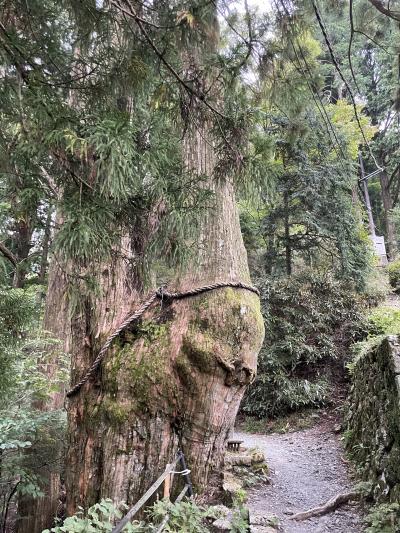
x: 175, y: 380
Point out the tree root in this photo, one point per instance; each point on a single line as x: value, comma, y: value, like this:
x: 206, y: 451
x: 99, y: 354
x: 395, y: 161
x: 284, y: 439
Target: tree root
x: 329, y: 506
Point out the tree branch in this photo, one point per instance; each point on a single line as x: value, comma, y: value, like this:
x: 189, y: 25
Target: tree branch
x: 351, y: 43
x: 329, y: 506
x: 372, y: 40
x: 378, y: 4
x: 8, y: 254
x: 50, y: 182
x: 339, y: 71
x: 391, y: 178
x: 161, y: 57
x: 395, y: 195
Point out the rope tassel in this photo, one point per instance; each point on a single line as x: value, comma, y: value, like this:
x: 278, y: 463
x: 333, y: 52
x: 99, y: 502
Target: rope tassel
x: 160, y: 294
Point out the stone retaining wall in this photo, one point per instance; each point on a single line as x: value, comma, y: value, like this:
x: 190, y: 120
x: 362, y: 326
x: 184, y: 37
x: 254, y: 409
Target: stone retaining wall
x: 373, y: 418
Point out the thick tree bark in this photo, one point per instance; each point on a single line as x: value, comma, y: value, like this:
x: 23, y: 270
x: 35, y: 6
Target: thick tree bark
x: 176, y: 379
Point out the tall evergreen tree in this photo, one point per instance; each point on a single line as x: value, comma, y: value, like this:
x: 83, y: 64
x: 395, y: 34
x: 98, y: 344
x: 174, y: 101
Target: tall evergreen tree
x: 155, y: 395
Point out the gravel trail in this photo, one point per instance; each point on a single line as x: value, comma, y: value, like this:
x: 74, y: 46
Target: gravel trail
x: 306, y: 468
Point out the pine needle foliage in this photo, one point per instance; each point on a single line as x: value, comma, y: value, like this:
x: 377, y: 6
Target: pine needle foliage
x: 311, y: 215
x: 94, y: 105
x: 305, y: 233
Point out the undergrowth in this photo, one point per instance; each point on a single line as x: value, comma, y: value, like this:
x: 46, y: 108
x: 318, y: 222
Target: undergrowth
x: 393, y: 269
x: 311, y: 320
x: 98, y: 519
x: 284, y: 424
x: 383, y: 518
x: 186, y: 516
x: 381, y: 321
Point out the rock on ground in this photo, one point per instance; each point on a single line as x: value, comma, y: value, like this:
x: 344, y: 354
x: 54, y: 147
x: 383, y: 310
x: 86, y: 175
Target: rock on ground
x: 306, y: 470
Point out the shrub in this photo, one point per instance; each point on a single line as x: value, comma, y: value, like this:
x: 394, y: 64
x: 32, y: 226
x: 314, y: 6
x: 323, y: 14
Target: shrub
x: 311, y: 320
x: 184, y: 516
x: 98, y: 519
x: 29, y: 438
x: 376, y: 287
x: 384, y: 320
x: 240, y: 514
x: 393, y: 269
x: 383, y: 518
x: 17, y: 309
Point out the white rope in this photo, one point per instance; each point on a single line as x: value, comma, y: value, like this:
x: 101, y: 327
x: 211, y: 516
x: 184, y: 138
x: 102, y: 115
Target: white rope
x: 185, y: 472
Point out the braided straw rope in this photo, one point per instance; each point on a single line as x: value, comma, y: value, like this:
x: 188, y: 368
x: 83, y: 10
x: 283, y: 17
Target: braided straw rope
x: 161, y: 294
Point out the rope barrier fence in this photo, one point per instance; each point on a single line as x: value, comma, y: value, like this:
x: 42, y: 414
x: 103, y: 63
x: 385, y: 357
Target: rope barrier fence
x: 166, y: 478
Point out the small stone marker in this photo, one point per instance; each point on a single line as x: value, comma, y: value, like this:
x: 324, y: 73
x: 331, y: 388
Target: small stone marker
x: 234, y: 445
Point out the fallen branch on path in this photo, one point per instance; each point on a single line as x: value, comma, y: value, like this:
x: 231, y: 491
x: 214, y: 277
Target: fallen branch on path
x: 329, y: 506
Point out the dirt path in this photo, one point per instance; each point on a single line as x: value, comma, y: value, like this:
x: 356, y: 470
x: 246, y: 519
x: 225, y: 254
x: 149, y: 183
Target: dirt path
x: 306, y: 470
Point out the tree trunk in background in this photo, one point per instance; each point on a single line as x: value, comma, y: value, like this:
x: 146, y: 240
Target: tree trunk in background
x: 45, y: 246
x: 22, y: 225
x: 22, y: 238
x: 387, y: 207
x: 38, y: 514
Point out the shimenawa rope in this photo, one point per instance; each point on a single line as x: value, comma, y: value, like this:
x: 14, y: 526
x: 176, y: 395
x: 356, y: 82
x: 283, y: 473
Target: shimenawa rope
x: 160, y: 294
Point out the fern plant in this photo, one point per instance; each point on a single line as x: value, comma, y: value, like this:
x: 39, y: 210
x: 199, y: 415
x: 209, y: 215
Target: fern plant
x: 98, y: 519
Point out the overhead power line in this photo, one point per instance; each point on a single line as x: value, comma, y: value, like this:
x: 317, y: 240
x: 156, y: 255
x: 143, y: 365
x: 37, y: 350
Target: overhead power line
x: 314, y: 92
x: 339, y: 71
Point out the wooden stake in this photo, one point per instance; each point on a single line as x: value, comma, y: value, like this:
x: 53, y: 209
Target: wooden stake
x: 167, y: 483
